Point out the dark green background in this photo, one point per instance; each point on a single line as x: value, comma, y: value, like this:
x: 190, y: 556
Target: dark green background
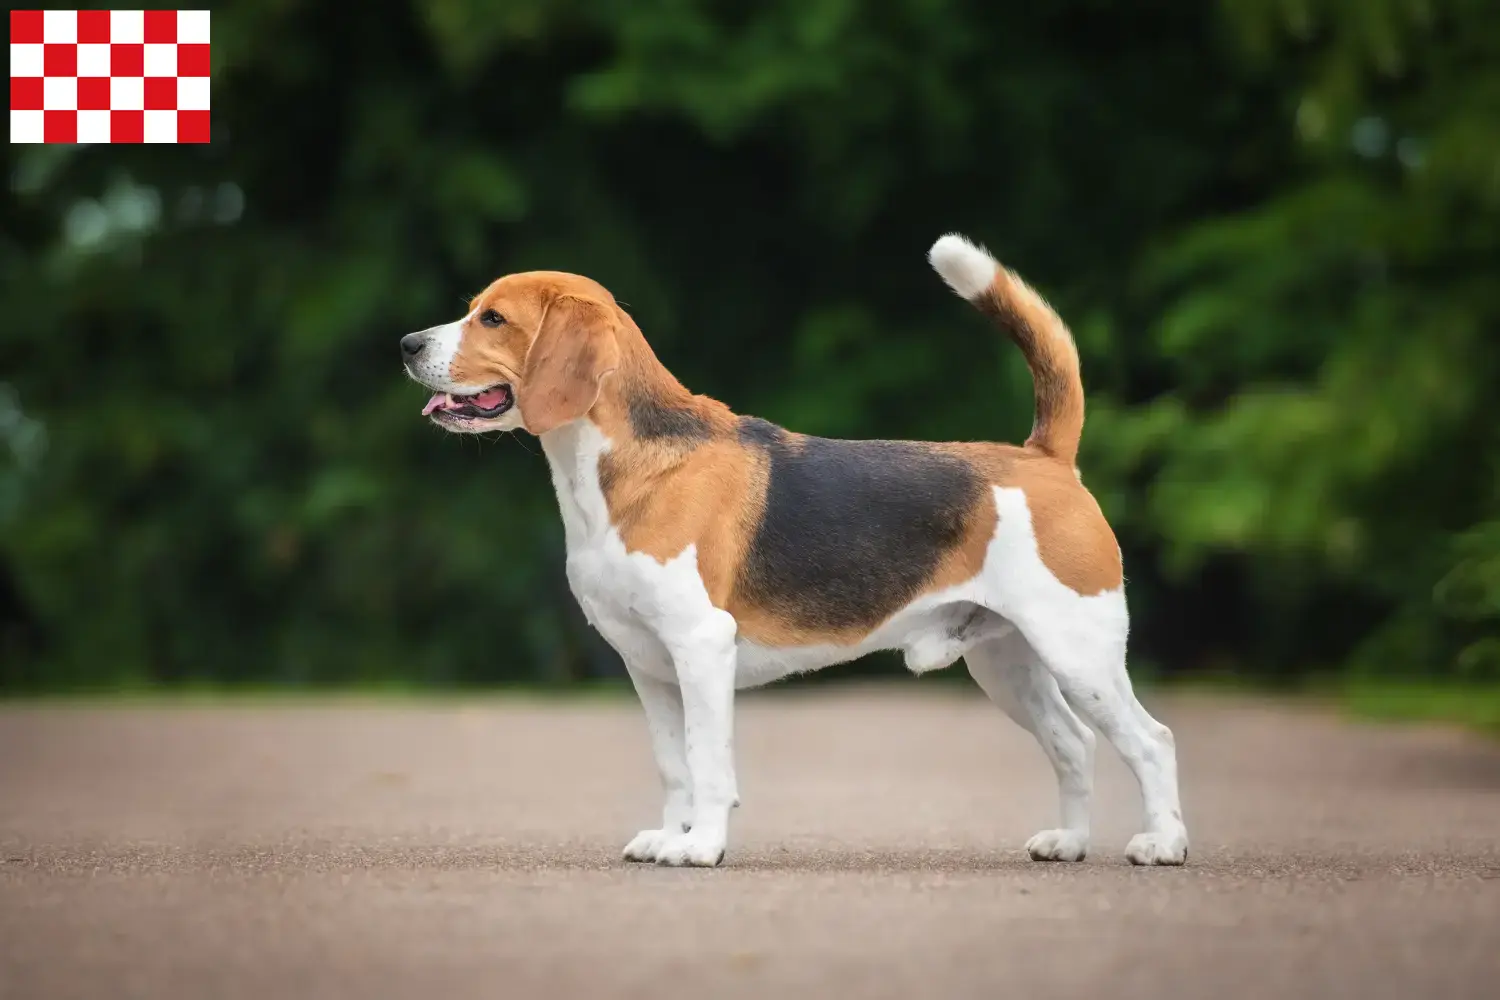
x: 1272, y: 224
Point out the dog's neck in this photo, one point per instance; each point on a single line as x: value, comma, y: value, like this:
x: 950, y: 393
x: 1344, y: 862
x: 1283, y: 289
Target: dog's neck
x: 573, y: 451
x: 644, y: 420
x: 641, y: 384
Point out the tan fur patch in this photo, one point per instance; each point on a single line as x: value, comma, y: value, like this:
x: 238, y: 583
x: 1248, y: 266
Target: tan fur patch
x: 566, y: 363
x: 1073, y: 538
x: 662, y: 499
x: 1072, y: 535
x: 1051, y: 354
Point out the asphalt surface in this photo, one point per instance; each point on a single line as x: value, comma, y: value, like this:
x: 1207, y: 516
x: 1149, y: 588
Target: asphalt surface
x: 471, y: 850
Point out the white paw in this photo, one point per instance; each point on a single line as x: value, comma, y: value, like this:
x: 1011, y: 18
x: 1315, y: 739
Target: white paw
x: 1166, y: 848
x: 647, y: 844
x: 693, y: 849
x: 1058, y: 845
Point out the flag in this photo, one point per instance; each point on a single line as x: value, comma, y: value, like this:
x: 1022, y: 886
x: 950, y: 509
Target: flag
x: 96, y: 76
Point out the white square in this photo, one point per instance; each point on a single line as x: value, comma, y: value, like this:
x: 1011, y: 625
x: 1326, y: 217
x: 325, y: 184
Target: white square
x: 192, y: 93
x: 93, y: 126
x: 127, y: 26
x: 192, y: 27
x: 59, y: 27
x: 93, y: 60
x: 26, y: 126
x: 26, y: 60
x: 60, y: 93
x: 161, y: 59
x: 161, y: 126
x: 127, y: 93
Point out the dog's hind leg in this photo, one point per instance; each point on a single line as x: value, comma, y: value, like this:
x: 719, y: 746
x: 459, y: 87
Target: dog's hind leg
x: 1013, y: 676
x: 1084, y: 651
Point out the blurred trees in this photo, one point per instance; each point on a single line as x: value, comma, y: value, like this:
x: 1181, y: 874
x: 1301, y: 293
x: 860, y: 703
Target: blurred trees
x: 1333, y: 417
x: 1272, y: 224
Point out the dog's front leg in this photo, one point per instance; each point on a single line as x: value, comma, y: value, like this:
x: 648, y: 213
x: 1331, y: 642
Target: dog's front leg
x: 704, y: 656
x: 662, y: 702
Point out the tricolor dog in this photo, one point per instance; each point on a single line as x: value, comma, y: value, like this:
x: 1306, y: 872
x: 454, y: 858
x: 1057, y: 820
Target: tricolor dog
x: 717, y: 552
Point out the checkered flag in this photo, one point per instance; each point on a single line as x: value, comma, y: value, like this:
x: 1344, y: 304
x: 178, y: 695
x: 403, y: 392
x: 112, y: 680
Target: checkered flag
x: 95, y: 76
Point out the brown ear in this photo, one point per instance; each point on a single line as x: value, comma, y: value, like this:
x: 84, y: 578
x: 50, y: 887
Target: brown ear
x: 572, y: 352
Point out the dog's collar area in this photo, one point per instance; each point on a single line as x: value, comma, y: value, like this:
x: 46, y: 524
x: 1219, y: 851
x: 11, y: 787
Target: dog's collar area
x: 485, y: 404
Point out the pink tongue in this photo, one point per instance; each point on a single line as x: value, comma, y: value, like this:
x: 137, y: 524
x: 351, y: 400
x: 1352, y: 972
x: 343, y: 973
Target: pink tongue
x: 491, y: 399
x: 438, y: 401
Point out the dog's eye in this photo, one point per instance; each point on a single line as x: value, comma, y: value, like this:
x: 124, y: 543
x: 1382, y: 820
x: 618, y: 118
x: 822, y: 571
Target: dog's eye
x: 491, y: 318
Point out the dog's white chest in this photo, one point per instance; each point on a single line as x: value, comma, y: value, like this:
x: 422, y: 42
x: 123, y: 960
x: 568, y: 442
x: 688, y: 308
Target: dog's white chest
x: 613, y: 587
x: 641, y: 606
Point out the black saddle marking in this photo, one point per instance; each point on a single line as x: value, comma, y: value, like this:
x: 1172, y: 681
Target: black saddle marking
x: 852, y: 530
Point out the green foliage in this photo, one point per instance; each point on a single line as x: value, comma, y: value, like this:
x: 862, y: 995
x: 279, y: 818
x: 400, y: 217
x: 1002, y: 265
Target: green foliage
x: 1332, y: 347
x: 1474, y: 706
x: 1272, y: 225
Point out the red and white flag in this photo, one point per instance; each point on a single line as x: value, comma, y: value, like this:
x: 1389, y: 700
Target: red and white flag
x: 94, y: 76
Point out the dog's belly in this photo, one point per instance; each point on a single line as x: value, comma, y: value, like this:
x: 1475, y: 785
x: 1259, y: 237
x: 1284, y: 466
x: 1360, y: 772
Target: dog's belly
x: 931, y: 634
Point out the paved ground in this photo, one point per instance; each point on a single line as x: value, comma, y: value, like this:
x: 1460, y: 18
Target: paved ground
x: 470, y: 851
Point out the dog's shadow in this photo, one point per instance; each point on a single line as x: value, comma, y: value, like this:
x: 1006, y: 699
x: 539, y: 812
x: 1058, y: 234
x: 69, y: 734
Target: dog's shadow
x: 324, y: 858
x: 894, y: 862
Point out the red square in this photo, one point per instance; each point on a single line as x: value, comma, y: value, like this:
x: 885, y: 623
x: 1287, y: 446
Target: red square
x: 60, y: 60
x: 59, y: 126
x: 127, y: 60
x: 161, y: 26
x: 192, y: 59
x: 161, y: 93
x: 26, y: 93
x: 192, y: 126
x: 26, y: 27
x: 127, y: 126
x: 93, y: 27
x: 93, y: 93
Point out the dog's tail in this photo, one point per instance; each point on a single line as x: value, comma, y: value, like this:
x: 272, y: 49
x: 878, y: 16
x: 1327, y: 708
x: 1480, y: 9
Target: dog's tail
x: 1041, y: 335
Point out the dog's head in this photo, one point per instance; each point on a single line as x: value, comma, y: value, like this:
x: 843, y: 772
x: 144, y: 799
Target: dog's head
x: 531, y: 354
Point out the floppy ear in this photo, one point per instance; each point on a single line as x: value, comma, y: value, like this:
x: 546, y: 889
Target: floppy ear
x: 573, y: 351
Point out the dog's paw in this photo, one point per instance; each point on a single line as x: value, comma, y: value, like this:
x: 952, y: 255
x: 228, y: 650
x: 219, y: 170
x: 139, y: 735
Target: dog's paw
x: 1164, y: 848
x: 1058, y: 845
x: 646, y: 845
x: 693, y: 849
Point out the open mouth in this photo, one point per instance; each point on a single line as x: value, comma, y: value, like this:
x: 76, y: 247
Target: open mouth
x: 485, y: 405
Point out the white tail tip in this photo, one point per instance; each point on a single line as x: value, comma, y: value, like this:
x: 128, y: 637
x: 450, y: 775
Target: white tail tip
x: 967, y: 269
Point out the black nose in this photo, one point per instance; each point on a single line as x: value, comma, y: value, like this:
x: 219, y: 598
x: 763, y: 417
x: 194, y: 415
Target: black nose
x: 412, y: 344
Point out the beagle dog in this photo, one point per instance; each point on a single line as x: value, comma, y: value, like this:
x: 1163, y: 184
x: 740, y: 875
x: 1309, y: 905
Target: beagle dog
x: 717, y: 552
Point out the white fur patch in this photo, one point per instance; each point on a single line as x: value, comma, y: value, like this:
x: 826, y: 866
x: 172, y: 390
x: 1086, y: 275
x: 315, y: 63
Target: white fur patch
x: 433, y: 367
x: 969, y: 270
